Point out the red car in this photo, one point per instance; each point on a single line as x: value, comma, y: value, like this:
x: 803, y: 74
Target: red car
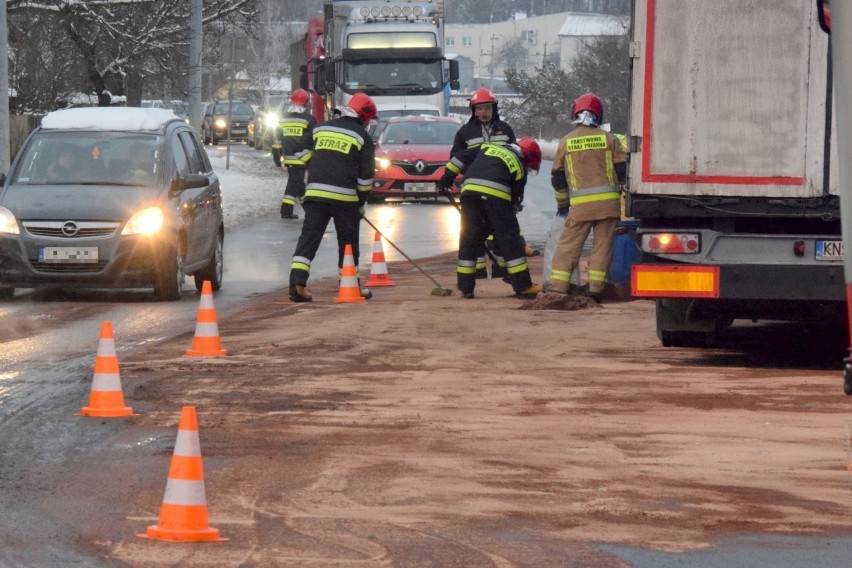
x: 411, y: 153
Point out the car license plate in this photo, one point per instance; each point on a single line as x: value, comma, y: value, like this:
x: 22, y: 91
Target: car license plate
x: 829, y: 250
x: 238, y: 131
x: 418, y: 187
x: 68, y: 254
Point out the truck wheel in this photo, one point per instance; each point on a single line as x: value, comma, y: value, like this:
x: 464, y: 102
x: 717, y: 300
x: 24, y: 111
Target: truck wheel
x: 214, y: 269
x: 847, y: 379
x: 169, y: 280
x: 674, y: 329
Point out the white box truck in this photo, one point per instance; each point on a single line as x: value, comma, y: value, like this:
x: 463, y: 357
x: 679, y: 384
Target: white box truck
x: 733, y: 172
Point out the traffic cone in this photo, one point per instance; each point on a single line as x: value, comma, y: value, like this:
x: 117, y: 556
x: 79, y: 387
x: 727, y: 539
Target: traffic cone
x: 349, y: 290
x: 378, y: 268
x: 206, y: 342
x: 106, y: 399
x: 183, y: 514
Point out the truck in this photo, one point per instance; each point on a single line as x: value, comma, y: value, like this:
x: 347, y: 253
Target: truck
x: 733, y: 173
x: 392, y: 50
x: 307, y: 56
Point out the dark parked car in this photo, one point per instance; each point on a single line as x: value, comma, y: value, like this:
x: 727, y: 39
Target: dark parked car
x: 111, y: 198
x: 214, y: 123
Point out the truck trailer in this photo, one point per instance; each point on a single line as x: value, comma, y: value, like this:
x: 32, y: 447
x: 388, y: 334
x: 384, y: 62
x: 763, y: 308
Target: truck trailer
x: 733, y: 173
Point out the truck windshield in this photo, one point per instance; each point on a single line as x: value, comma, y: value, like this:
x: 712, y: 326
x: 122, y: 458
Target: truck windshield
x: 385, y: 40
x: 392, y: 77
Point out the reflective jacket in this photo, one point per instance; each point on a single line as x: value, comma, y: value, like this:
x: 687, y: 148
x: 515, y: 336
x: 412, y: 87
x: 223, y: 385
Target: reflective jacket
x: 342, y: 162
x: 588, y: 167
x: 295, y: 134
x: 475, y: 133
x: 494, y: 170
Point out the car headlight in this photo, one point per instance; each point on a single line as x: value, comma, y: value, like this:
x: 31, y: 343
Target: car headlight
x: 271, y: 120
x: 8, y: 223
x: 382, y: 163
x: 146, y: 222
x: 220, y: 123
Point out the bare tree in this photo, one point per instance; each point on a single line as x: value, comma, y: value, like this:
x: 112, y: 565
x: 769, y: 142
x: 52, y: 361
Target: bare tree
x: 119, y: 43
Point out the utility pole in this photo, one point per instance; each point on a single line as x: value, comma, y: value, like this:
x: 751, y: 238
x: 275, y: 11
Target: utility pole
x: 4, y: 90
x: 195, y: 67
x: 491, y: 62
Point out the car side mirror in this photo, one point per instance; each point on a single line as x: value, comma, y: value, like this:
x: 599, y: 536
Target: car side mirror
x: 189, y: 181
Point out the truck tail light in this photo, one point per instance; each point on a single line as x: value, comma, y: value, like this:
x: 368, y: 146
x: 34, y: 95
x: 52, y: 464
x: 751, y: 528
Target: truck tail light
x: 671, y: 243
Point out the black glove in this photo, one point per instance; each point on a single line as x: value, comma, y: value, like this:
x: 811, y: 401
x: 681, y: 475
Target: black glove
x: 562, y: 212
x: 446, y: 182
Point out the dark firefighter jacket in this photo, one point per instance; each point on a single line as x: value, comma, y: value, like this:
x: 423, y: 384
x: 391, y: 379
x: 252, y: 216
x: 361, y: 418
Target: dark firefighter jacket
x: 342, y: 163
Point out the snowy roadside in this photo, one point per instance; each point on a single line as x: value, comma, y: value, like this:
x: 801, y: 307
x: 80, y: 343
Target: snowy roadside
x: 251, y: 186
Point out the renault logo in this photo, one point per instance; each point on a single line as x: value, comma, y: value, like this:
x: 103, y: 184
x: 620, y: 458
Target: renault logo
x: 420, y: 165
x: 69, y: 229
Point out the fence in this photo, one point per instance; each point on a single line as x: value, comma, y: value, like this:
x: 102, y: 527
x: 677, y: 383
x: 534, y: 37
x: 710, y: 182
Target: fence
x: 20, y: 127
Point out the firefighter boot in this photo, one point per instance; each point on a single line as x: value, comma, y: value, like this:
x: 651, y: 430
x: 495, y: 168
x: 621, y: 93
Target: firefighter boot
x: 530, y: 292
x: 298, y: 293
x: 287, y: 211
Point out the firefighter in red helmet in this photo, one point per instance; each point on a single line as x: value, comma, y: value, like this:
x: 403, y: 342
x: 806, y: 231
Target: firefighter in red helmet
x: 340, y: 175
x: 492, y: 190
x: 295, y: 134
x: 588, y: 169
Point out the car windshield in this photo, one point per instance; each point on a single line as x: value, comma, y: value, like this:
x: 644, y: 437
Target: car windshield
x: 236, y: 108
x: 89, y: 158
x: 425, y: 132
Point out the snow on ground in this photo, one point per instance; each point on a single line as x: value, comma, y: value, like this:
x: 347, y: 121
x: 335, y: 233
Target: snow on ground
x: 251, y: 186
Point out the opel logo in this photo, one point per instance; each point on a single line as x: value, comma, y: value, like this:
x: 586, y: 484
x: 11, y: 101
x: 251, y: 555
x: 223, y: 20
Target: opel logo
x: 420, y: 165
x: 69, y: 229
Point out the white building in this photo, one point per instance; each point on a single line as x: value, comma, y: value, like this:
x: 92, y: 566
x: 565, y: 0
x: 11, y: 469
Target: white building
x: 556, y: 37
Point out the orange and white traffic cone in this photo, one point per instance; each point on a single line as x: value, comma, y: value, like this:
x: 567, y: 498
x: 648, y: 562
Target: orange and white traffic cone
x: 183, y: 514
x: 349, y: 290
x: 106, y: 399
x: 378, y: 267
x: 206, y: 342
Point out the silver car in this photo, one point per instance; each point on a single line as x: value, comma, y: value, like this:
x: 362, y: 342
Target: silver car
x: 111, y: 198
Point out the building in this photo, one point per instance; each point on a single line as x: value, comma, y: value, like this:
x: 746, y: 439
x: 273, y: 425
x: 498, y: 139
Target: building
x: 527, y: 42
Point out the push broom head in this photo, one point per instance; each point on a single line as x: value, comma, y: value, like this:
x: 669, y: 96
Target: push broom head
x: 439, y: 291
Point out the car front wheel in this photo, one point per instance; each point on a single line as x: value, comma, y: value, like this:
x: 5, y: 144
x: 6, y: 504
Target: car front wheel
x: 170, y: 276
x: 6, y: 293
x: 214, y: 269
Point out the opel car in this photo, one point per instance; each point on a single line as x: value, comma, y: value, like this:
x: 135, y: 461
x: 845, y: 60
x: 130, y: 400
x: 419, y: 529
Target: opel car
x: 111, y: 197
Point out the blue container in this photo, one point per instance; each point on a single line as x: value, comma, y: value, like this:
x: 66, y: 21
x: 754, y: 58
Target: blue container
x: 624, y: 253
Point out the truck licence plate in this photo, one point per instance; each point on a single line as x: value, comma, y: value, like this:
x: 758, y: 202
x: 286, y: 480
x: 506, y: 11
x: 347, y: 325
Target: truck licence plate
x: 68, y: 254
x: 418, y: 187
x: 829, y: 250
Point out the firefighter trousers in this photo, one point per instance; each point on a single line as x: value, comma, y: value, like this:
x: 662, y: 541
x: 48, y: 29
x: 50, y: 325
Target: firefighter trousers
x: 317, y: 215
x: 295, y: 189
x: 570, y: 248
x: 479, y: 215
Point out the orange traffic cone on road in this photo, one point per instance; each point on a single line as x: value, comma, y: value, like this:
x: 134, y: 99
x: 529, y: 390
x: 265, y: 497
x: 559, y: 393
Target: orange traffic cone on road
x: 206, y: 342
x: 349, y: 290
x: 378, y: 267
x: 183, y: 514
x: 106, y: 399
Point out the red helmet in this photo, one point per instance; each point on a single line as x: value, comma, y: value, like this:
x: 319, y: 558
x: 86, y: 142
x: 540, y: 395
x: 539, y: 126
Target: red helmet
x: 531, y: 151
x: 590, y: 103
x: 363, y: 106
x: 482, y: 95
x: 300, y: 97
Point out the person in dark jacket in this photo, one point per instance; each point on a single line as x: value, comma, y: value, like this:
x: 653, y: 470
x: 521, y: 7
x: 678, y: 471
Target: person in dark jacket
x: 295, y: 134
x: 340, y: 175
x: 484, y: 126
x: 493, y: 189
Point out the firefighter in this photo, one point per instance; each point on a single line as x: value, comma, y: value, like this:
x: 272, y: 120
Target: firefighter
x: 295, y: 136
x: 340, y: 175
x: 483, y: 126
x: 492, y: 191
x: 588, y: 169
